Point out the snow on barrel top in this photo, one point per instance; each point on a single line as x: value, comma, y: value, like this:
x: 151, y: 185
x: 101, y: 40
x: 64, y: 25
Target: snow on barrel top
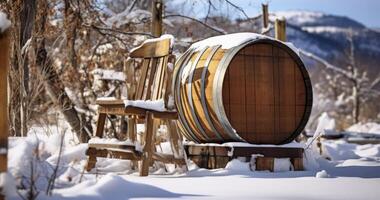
x: 4, y: 22
x: 235, y: 39
x: 228, y: 41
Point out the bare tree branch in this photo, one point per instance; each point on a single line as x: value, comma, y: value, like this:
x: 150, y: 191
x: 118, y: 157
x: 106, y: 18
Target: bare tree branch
x: 237, y: 7
x: 118, y: 31
x: 196, y: 20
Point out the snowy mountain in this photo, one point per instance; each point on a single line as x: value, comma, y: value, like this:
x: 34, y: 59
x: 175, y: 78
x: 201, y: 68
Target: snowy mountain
x: 310, y: 18
x: 326, y: 36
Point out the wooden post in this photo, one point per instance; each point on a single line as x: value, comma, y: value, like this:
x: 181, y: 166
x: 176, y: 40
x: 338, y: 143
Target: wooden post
x: 157, y: 7
x: 4, y: 63
x: 280, y: 29
x: 265, y: 15
x: 148, y: 148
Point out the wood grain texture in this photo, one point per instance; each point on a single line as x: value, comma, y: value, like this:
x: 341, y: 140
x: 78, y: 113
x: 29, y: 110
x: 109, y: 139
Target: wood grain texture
x: 4, y: 65
x: 266, y: 94
x: 151, y: 49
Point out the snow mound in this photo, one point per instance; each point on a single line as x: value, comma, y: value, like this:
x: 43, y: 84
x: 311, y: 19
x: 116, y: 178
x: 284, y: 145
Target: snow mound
x: 4, y: 22
x: 115, y: 187
x: 237, y: 165
x: 339, y: 150
x: 368, y: 151
x: 282, y: 165
x: 7, y: 185
x: 370, y: 127
x: 322, y: 174
x: 72, y: 154
x: 157, y: 105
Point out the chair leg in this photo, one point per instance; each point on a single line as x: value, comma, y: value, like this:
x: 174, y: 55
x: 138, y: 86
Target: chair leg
x: 131, y: 134
x: 174, y: 139
x: 100, y: 125
x: 147, y: 152
x: 91, y: 160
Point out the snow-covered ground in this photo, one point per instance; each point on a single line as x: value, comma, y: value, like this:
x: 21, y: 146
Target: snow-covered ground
x: 353, y: 172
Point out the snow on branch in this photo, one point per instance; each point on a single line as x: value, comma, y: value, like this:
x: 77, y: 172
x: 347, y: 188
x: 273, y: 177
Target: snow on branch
x: 327, y: 64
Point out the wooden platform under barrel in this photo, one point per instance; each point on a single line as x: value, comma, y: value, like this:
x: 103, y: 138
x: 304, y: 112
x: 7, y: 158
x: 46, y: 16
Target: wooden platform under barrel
x: 265, y: 93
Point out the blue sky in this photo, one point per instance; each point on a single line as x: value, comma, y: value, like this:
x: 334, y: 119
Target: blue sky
x: 366, y: 12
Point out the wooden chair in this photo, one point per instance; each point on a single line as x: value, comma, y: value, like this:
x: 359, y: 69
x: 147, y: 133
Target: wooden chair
x: 154, y: 83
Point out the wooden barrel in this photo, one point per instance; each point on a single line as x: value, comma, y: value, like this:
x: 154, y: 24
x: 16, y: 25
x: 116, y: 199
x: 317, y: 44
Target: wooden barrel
x: 256, y: 91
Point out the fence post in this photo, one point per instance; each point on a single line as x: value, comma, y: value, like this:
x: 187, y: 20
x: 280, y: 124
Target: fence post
x: 157, y: 7
x: 265, y: 15
x: 4, y: 62
x: 280, y: 29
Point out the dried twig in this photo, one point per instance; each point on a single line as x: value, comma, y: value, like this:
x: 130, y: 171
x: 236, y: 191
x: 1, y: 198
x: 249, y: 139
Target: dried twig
x: 199, y: 21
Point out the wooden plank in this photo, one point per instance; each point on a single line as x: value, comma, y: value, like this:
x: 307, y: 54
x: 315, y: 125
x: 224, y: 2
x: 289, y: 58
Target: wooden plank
x: 149, y: 141
x: 100, y: 125
x: 3, y: 161
x: 185, y: 101
x: 157, y: 8
x: 212, y: 68
x: 158, y: 79
x: 287, y: 85
x: 276, y: 91
x: 114, y: 153
x: 264, y: 95
x: 276, y: 152
x: 131, y: 132
x: 212, y: 157
x: 196, y: 94
x: 151, y: 49
x: 142, y: 79
x: 130, y: 110
x: 147, y: 95
x: 114, y: 146
x: 167, y: 158
x: 297, y: 164
x: 264, y: 163
x: 237, y: 93
x: 4, y: 65
x: 265, y: 15
x: 300, y: 98
x: 203, y: 149
x: 250, y: 91
x: 280, y: 29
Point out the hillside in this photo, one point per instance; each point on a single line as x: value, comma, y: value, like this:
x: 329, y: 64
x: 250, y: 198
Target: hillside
x: 318, y: 33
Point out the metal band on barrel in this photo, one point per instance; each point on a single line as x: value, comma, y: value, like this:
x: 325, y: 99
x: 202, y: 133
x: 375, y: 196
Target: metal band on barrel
x: 218, y: 88
x: 203, y: 91
x: 189, y: 93
x: 179, y: 103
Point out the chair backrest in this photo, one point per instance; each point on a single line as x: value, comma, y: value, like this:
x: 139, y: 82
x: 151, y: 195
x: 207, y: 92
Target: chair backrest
x: 155, y: 77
